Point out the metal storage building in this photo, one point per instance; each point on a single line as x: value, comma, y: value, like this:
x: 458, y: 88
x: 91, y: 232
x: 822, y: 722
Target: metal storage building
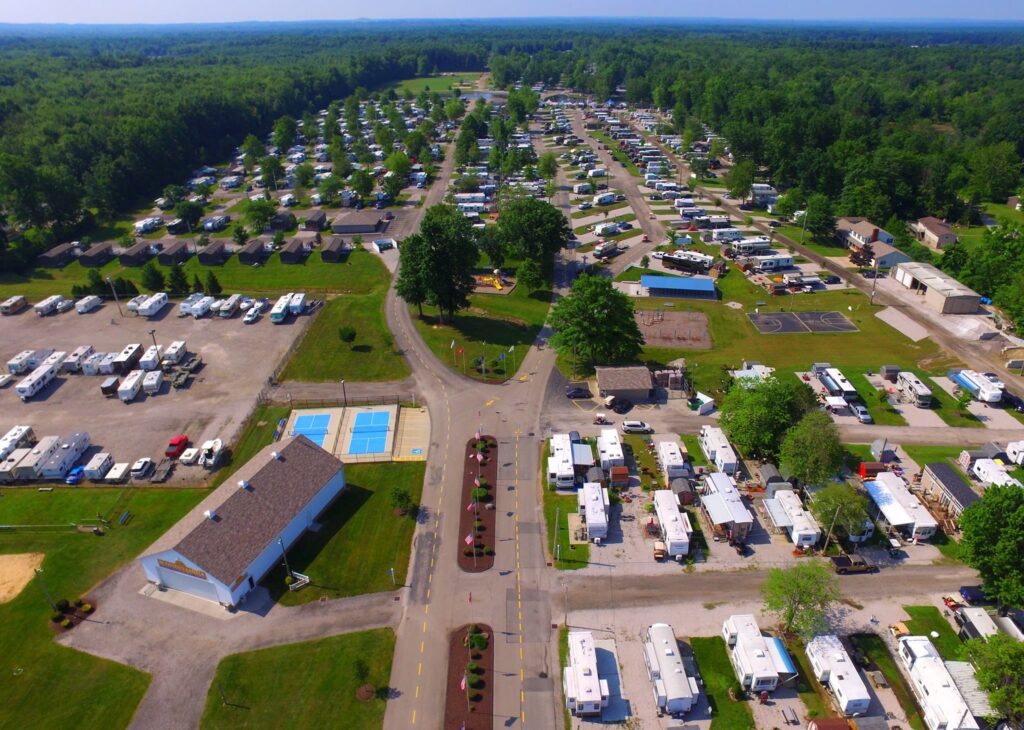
x: 236, y: 535
x: 696, y: 287
x: 940, y: 290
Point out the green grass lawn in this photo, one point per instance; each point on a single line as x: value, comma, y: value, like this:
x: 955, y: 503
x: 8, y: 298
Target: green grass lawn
x: 883, y: 413
x: 824, y: 248
x: 812, y: 694
x: 306, y: 685
x: 361, y: 274
x: 618, y: 154
x: 492, y: 324
x: 633, y: 273
x: 563, y: 661
x: 323, y: 357
x: 945, y: 406
x: 643, y: 458
x: 718, y: 675
x: 927, y: 453
x: 56, y: 686
x: 573, y: 557
x: 257, y: 433
x: 441, y: 84
x: 360, y: 537
x: 696, y: 456
x: 874, y: 649
x: 926, y: 619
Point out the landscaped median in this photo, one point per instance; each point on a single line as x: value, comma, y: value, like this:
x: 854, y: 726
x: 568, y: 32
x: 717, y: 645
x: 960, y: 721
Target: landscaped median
x: 469, y: 698
x: 478, y: 520
x: 341, y: 681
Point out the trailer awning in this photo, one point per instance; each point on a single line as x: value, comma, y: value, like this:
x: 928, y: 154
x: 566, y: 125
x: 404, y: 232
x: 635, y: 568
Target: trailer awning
x: 778, y: 515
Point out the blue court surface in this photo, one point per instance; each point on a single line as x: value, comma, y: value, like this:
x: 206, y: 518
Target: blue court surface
x: 370, y: 432
x: 312, y: 427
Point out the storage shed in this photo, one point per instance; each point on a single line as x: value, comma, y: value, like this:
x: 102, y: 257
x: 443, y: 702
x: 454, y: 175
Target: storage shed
x: 335, y: 250
x: 214, y: 253
x: 223, y: 547
x: 139, y: 253
x: 317, y: 221
x: 294, y: 252
x: 632, y: 382
x: 694, y: 287
x: 939, y: 290
x: 359, y: 221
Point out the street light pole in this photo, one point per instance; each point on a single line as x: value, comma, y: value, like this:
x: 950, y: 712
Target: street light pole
x: 284, y: 555
x: 46, y: 590
x: 152, y: 333
x: 344, y: 392
x: 116, y: 300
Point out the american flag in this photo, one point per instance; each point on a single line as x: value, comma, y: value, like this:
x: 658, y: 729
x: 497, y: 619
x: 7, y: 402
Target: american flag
x: 469, y: 539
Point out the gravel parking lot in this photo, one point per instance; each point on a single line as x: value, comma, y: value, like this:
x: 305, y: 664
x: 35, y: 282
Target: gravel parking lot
x: 237, y: 361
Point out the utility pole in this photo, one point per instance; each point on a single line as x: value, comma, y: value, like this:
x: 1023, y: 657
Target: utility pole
x: 152, y: 333
x: 284, y: 556
x: 46, y: 590
x: 116, y: 300
x: 828, y: 537
x: 344, y: 392
x: 874, y: 282
x: 554, y: 536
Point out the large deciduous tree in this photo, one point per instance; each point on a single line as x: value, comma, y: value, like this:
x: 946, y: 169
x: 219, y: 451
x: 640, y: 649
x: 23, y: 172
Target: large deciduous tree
x: 999, y: 667
x: 595, y: 321
x: 439, y: 269
x: 411, y: 284
x: 812, y: 451
x: 993, y: 541
x: 842, y: 508
x: 532, y: 228
x: 819, y: 216
x: 801, y: 597
x: 756, y: 416
x: 741, y: 179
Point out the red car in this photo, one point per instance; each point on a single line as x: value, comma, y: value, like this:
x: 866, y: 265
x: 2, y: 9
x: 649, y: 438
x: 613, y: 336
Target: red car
x: 176, y: 446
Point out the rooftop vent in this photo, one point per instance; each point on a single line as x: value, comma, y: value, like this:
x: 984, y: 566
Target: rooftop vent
x: 242, y: 484
x: 276, y: 455
x: 210, y: 515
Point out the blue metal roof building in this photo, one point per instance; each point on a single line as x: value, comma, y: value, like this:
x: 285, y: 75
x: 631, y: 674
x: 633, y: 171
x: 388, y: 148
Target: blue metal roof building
x: 700, y: 287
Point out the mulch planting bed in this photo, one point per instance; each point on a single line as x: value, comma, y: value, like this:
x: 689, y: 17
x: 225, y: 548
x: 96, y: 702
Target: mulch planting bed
x: 470, y: 707
x: 477, y: 516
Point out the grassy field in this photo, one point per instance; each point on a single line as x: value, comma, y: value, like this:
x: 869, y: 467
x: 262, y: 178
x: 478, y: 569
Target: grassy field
x: 323, y: 357
x: 926, y: 453
x: 824, y: 248
x: 874, y: 649
x: 736, y: 339
x: 46, y: 684
x: 718, y: 676
x: 361, y: 274
x: 926, y: 619
x: 359, y: 540
x: 492, y: 324
x: 440, y: 84
x: 644, y: 459
x: 573, y: 557
x: 563, y: 661
x: 307, y: 685
x: 880, y: 410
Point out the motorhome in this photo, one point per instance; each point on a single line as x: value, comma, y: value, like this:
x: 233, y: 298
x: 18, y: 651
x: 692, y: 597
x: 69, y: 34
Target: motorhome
x: 127, y: 358
x: 150, y: 360
x: 35, y: 381
x: 298, y: 303
x: 230, y: 306
x: 718, y: 221
x: 153, y: 305
x: 174, y: 353
x: 279, y: 313
x: 48, y: 305
x: 87, y: 304
x: 130, y: 386
x: 606, y: 249
x: 13, y: 304
x: 913, y: 390
x: 837, y: 385
x: 748, y: 246
x: 73, y: 362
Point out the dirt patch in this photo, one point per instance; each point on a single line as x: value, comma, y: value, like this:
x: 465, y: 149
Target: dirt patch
x: 470, y: 706
x: 478, y: 519
x: 678, y: 330
x: 15, y: 573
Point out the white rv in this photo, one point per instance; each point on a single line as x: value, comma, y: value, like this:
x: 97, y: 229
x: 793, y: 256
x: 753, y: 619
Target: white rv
x: 107, y: 363
x: 675, y: 692
x: 716, y: 448
x: 279, y: 313
x: 230, y: 306
x: 91, y: 364
x: 202, y: 307
x: 671, y: 461
x: 131, y: 385
x: 98, y: 466
x: 49, y: 305
x: 560, y: 466
x: 675, y: 526
x: 73, y: 362
x: 836, y: 671
x: 35, y: 381
x: 87, y: 304
x: 297, y: 304
x: 20, y: 362
x: 153, y: 305
x: 913, y: 390
x: 150, y: 360
x: 66, y: 456
x: 152, y: 381
x: 174, y: 353
x: 592, y: 502
x: 185, y: 307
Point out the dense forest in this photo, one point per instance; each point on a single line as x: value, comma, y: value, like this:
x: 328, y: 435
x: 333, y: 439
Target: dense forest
x: 888, y: 123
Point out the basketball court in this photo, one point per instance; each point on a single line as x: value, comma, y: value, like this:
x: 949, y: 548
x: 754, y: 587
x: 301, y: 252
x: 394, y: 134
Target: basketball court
x: 788, y: 323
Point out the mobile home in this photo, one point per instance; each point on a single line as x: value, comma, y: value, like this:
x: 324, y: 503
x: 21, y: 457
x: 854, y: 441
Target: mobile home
x: 899, y: 508
x: 942, y: 704
x: 48, y: 305
x: 675, y: 526
x: 98, y: 466
x: 670, y: 458
x: 280, y: 311
x: 130, y: 386
x: 13, y: 305
x: 585, y: 693
x: 787, y: 512
x: 675, y: 692
x: 609, y: 449
x: 761, y: 662
x: 87, y: 304
x: 716, y: 448
x: 983, y: 389
x: 593, y: 502
x: 66, y: 456
x: 73, y: 362
x: 724, y: 507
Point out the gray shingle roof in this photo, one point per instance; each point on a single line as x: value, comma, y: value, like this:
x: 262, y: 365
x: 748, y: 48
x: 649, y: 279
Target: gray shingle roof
x: 627, y: 378
x: 953, y: 485
x: 248, y: 519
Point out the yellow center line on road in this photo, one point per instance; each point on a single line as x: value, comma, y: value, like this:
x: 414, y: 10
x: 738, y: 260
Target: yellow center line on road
x: 419, y: 669
x: 414, y: 717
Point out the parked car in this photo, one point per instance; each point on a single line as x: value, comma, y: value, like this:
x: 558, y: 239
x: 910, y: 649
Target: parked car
x: 176, y: 445
x: 862, y: 414
x: 636, y: 427
x: 586, y: 205
x: 75, y: 476
x: 619, y: 198
x: 833, y: 279
x: 576, y: 391
x: 621, y: 405
x: 775, y: 224
x: 973, y: 594
x: 252, y: 316
x: 142, y: 467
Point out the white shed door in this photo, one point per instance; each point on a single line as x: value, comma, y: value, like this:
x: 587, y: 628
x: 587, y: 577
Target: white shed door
x: 189, y: 584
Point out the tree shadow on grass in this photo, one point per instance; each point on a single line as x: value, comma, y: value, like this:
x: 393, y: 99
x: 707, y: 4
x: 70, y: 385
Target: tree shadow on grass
x: 311, y: 544
x: 488, y: 330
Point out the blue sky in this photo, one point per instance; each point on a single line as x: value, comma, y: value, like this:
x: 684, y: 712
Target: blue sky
x: 200, y: 11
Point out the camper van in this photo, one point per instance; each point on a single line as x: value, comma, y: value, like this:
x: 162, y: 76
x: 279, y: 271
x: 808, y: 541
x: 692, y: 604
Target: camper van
x: 280, y: 311
x: 13, y: 305
x: 913, y: 390
x: 87, y: 304
x: 297, y: 305
x: 130, y: 387
x: 230, y: 306
x: 48, y: 305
